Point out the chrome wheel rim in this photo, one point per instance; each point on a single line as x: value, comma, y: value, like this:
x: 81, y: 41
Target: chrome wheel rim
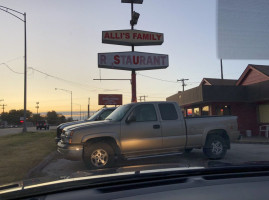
x: 217, y: 147
x: 99, y: 158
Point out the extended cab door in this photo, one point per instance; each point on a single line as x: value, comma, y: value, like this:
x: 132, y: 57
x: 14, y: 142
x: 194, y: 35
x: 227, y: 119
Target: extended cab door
x: 142, y: 134
x: 173, y: 126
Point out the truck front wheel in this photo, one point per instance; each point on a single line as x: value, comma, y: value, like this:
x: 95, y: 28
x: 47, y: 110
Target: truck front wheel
x: 98, y: 155
x: 215, y: 147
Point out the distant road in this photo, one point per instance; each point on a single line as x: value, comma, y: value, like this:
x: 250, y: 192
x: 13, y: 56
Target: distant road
x: 11, y: 131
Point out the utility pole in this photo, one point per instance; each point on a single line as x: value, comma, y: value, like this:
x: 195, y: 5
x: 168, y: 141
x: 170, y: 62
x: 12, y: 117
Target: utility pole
x: 16, y: 14
x: 37, y: 106
x: 3, y: 107
x: 89, y: 99
x: 221, y: 69
x: 144, y: 97
x: 183, y: 82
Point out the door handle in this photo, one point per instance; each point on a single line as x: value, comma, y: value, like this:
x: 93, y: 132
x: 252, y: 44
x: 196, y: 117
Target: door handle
x: 156, y: 126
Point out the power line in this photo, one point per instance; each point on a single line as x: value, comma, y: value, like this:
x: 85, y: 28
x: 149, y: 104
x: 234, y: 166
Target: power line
x: 163, y: 79
x: 13, y: 59
x: 10, y: 68
x: 68, y: 81
x: 83, y: 86
x: 157, y: 78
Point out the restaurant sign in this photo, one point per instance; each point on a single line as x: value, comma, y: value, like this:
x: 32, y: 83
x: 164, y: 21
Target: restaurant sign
x: 132, y: 37
x: 110, y: 99
x: 132, y: 60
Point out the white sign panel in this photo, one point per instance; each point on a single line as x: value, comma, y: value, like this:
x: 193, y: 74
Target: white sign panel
x: 132, y: 60
x: 132, y: 37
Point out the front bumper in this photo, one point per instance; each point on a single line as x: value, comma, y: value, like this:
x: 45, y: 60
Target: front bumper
x: 70, y: 151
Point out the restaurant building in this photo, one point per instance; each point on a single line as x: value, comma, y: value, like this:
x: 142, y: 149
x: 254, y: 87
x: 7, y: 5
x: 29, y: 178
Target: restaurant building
x: 247, y: 98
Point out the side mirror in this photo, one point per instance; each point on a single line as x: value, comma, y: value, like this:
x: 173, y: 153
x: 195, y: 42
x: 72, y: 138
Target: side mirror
x: 130, y: 118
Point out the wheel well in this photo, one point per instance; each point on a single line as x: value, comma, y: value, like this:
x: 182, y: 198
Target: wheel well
x: 109, y: 140
x: 222, y: 133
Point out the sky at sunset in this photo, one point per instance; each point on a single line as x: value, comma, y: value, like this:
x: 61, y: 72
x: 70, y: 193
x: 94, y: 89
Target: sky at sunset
x: 64, y: 38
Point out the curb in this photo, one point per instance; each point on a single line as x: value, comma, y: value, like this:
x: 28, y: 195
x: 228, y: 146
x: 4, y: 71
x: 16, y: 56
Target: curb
x: 251, y: 142
x: 41, y: 165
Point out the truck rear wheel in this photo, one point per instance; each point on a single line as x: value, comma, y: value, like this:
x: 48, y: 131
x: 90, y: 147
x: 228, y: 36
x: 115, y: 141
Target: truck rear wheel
x: 98, y: 155
x: 215, y: 147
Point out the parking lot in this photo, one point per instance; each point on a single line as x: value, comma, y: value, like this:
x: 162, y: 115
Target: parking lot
x: 240, y: 153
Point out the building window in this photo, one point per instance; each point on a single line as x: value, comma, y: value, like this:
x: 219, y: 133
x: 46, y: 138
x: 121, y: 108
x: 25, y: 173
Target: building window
x: 223, y: 110
x: 205, y: 111
x: 196, y: 111
x: 189, y: 112
x: 264, y: 113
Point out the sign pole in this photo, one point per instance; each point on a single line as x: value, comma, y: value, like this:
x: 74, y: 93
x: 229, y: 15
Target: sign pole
x: 132, y: 60
x: 133, y: 71
x: 134, y: 86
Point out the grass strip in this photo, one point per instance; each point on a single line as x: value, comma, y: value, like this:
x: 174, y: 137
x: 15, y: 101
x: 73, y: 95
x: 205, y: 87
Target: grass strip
x: 22, y: 152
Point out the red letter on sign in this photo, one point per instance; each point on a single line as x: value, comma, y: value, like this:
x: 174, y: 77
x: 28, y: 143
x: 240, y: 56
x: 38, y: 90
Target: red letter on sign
x: 106, y: 36
x: 103, y: 59
x: 116, y: 59
x: 137, y: 60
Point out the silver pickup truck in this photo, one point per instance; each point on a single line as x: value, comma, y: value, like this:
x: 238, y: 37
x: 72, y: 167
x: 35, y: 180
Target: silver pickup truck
x: 137, y: 130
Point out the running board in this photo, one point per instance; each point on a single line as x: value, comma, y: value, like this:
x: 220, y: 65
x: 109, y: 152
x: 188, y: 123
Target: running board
x: 153, y: 156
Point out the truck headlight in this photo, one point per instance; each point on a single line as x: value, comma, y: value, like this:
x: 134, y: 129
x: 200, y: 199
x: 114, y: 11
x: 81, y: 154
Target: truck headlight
x: 69, y: 133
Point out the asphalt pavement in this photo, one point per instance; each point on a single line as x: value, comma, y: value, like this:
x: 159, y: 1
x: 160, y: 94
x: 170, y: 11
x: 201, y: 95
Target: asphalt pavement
x: 239, y: 153
x: 12, y: 131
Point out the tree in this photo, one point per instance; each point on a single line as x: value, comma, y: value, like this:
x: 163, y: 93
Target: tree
x: 52, y: 117
x: 37, y: 117
x: 55, y: 118
x: 62, y: 119
x: 13, y: 116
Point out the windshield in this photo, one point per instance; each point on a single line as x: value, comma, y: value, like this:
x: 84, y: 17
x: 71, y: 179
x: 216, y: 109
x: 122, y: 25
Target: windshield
x: 119, y: 113
x: 94, y: 115
x: 189, y: 82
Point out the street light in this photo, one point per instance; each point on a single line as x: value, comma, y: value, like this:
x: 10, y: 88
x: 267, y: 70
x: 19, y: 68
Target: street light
x: 69, y: 91
x: 37, y: 106
x: 9, y: 11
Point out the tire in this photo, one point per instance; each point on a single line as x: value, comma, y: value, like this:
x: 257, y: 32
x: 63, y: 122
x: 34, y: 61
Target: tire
x: 188, y: 150
x: 98, y: 155
x: 215, y: 147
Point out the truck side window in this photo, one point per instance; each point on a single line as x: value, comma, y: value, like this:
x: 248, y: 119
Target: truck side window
x: 168, y: 111
x: 144, y: 113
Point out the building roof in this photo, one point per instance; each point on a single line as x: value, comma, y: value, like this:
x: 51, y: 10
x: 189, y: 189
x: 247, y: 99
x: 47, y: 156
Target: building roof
x: 256, y: 70
x: 262, y: 68
x: 252, y: 86
x: 216, y: 81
